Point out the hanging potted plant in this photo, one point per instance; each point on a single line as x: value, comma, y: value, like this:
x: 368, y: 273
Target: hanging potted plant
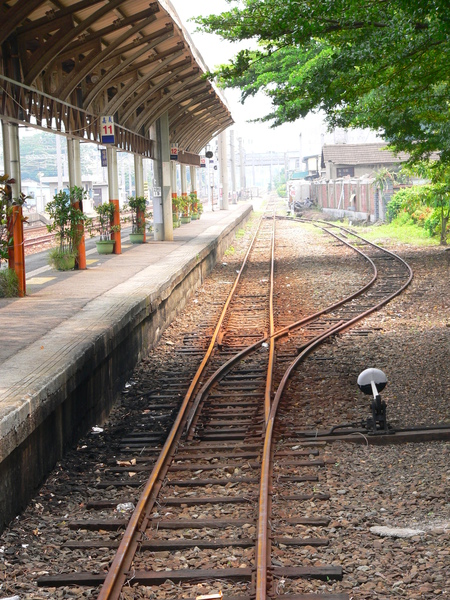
x: 185, y: 209
x: 66, y: 221
x: 139, y: 214
x: 105, y: 212
x: 176, y: 207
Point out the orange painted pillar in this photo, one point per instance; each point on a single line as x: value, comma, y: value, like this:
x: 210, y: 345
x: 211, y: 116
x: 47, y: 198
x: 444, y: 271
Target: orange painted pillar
x: 116, y: 234
x: 80, y: 261
x: 19, y: 250
x: 10, y: 225
x: 140, y: 216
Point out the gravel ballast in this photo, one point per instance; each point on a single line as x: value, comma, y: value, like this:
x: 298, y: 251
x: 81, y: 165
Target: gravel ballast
x: 378, y: 493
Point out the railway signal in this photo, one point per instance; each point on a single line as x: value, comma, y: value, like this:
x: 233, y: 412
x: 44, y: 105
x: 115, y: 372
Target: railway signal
x: 373, y: 381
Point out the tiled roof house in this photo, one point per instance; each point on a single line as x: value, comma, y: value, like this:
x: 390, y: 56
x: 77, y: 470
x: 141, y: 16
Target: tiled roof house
x: 355, y: 160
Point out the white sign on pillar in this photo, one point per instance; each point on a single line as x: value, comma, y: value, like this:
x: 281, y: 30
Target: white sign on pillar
x: 107, y: 129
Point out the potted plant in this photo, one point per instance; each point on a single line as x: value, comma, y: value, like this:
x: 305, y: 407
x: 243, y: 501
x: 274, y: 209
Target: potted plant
x: 196, y: 206
x: 185, y: 205
x: 176, y: 207
x: 139, y: 214
x: 104, y: 226
x: 66, y: 221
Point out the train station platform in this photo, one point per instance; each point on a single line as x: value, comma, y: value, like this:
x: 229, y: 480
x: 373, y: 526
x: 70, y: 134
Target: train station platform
x: 69, y: 346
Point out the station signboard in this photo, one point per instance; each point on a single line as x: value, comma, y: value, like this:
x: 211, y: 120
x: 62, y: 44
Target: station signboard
x: 107, y: 129
x: 202, y: 162
x: 174, y: 152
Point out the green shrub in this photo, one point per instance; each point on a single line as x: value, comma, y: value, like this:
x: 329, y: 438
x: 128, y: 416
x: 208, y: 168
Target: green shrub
x: 9, y: 284
x: 62, y: 260
x: 281, y: 190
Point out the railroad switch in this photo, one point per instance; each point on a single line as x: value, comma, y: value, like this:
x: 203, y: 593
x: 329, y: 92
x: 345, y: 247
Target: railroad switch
x: 373, y: 381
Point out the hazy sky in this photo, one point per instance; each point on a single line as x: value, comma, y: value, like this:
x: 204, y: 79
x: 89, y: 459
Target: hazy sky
x: 258, y: 136
x: 215, y: 51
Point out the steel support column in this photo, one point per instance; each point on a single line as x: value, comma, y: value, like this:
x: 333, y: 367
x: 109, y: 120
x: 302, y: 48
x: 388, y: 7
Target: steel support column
x: 184, y: 191
x: 11, y: 155
x: 223, y: 169
x: 74, y: 160
x: 193, y: 172
x: 139, y: 186
x: 113, y: 191
x: 166, y: 177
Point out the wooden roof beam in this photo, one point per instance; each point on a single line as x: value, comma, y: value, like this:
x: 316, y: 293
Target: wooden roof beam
x: 147, y: 44
x: 160, y: 69
x: 154, y: 111
x: 46, y: 54
x: 86, y: 67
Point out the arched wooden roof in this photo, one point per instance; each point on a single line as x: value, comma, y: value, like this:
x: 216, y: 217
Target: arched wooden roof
x: 65, y: 63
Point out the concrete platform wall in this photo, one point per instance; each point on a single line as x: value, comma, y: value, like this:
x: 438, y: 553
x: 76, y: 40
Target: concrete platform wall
x: 80, y: 392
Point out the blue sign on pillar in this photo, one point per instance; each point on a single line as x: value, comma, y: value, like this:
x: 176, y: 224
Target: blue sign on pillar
x: 104, y: 158
x: 107, y: 130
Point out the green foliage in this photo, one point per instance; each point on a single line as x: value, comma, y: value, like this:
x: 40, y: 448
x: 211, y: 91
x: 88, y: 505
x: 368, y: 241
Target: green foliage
x: 435, y: 196
x: 5, y: 211
x: 396, y: 204
x: 383, y: 65
x: 67, y: 219
x: 402, y: 229
x: 6, y: 204
x: 62, y: 260
x: 104, y: 226
x: 38, y: 154
x: 177, y: 202
x: 9, y: 284
x: 427, y: 206
x: 196, y: 207
x: 139, y: 213
x: 281, y: 190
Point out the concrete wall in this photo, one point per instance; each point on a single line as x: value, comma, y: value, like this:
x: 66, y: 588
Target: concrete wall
x: 83, y: 394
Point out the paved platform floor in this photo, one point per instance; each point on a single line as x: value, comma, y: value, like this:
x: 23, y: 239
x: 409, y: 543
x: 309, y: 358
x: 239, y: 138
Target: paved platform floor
x: 66, y: 313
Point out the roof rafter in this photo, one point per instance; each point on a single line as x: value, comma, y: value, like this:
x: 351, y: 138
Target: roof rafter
x: 156, y: 110
x: 159, y: 36
x: 175, y: 73
x: 89, y: 65
x: 46, y: 53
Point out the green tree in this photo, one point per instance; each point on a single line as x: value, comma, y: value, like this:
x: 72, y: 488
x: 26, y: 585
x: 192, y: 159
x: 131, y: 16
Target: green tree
x: 435, y: 195
x: 383, y: 65
x: 67, y: 219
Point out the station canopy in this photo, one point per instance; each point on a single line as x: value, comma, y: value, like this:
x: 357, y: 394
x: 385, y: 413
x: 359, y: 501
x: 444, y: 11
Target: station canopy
x: 68, y: 63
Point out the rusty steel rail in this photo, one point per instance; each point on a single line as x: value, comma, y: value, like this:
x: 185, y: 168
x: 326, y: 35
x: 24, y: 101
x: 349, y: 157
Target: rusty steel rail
x: 116, y: 576
x: 185, y: 421
x: 262, y: 566
x: 262, y: 535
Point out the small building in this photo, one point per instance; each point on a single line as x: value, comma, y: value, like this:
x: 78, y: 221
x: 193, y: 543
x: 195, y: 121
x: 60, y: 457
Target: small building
x: 97, y: 191
x: 313, y: 163
x: 38, y: 194
x: 357, y: 160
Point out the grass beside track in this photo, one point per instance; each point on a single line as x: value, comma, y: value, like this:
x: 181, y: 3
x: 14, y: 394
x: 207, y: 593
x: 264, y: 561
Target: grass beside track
x: 405, y: 234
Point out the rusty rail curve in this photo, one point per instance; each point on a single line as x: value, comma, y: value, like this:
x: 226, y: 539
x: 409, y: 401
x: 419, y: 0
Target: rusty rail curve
x: 186, y: 416
x: 302, y: 337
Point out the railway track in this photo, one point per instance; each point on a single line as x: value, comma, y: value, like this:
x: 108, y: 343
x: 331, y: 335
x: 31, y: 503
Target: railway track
x: 232, y: 476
